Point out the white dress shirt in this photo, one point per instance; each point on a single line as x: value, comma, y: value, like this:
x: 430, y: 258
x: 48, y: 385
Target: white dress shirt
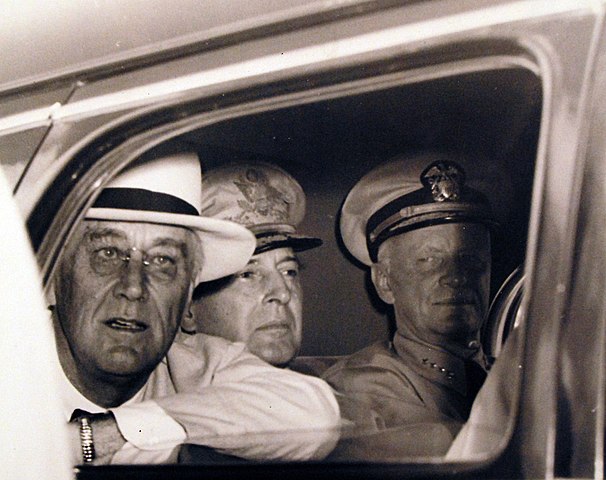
x: 209, y: 391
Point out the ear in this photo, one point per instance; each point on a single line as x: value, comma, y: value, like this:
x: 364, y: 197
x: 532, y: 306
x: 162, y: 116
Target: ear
x: 379, y: 273
x: 188, y: 324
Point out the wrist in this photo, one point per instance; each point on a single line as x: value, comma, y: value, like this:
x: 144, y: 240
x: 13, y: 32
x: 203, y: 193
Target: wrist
x: 92, y: 436
x: 87, y: 443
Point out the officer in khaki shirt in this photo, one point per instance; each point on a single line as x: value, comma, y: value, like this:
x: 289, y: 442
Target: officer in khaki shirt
x: 425, y: 234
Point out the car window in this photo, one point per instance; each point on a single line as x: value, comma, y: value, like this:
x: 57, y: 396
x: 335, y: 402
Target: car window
x: 328, y: 146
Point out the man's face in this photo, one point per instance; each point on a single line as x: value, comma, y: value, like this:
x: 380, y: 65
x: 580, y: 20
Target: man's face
x: 438, y: 280
x: 260, y: 306
x: 119, y: 315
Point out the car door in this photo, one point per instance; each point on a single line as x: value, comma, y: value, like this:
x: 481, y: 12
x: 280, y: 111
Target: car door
x: 33, y: 430
x: 337, y: 56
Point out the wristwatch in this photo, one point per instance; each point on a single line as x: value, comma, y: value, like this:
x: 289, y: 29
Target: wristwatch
x: 85, y: 420
x: 86, y: 440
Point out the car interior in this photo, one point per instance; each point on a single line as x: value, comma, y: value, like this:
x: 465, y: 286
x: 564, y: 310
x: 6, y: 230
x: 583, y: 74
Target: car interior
x: 491, y: 116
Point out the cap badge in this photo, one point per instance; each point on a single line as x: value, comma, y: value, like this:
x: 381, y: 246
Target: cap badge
x: 261, y: 198
x: 445, y: 180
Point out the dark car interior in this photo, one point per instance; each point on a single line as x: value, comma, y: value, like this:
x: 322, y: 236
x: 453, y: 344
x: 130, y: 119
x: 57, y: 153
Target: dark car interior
x: 491, y: 116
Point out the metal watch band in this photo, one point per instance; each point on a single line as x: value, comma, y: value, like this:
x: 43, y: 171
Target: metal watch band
x: 86, y: 440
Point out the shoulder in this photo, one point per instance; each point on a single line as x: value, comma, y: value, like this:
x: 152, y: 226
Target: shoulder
x: 374, y: 369
x: 196, y: 360
x: 379, y: 355
x: 207, y: 347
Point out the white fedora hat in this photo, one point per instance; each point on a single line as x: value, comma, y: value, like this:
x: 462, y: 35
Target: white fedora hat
x: 167, y: 191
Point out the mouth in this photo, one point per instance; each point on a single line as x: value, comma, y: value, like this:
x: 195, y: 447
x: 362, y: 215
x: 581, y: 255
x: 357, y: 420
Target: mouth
x: 126, y: 324
x: 458, y: 300
x: 282, y: 326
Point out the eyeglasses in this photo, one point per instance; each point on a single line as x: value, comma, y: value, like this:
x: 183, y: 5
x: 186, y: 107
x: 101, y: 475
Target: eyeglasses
x: 113, y: 261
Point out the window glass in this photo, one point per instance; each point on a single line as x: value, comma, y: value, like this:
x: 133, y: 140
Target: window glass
x: 329, y: 146
x: 490, y: 118
x: 16, y: 150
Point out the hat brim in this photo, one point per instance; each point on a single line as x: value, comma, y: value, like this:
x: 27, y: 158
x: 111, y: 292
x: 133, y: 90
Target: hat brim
x: 430, y: 215
x: 355, y: 239
x: 430, y: 221
x: 298, y: 243
x: 226, y: 246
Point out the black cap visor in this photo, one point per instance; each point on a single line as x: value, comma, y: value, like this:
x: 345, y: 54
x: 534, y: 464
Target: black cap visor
x: 271, y: 240
x: 428, y: 219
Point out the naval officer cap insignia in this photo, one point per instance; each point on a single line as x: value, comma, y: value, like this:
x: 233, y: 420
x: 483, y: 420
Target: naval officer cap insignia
x: 404, y: 194
x: 262, y: 197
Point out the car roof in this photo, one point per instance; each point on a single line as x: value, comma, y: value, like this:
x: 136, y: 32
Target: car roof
x: 43, y: 41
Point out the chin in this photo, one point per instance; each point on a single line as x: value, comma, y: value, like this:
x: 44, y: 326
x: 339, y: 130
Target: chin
x: 277, y: 359
x: 124, y: 363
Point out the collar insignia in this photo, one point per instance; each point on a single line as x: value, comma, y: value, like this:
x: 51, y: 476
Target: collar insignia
x: 445, y: 180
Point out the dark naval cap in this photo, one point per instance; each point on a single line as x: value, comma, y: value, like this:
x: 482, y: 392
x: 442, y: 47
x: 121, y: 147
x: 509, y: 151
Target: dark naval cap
x: 408, y: 193
x: 262, y: 197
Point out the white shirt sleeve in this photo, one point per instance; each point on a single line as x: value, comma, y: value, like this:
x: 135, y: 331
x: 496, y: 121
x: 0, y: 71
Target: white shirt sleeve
x: 152, y: 436
x: 131, y: 455
x: 232, y: 401
x: 147, y: 427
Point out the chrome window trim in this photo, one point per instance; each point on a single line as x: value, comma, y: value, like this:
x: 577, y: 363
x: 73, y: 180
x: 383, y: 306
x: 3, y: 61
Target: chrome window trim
x: 49, y: 165
x: 369, y: 43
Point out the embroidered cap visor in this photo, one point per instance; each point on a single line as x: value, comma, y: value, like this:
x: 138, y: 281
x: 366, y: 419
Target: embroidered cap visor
x: 280, y: 236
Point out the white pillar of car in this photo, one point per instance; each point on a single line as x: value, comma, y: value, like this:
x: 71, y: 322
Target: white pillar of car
x: 32, y: 429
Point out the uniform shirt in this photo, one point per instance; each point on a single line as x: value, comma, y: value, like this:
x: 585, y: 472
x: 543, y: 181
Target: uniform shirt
x: 215, y: 393
x: 403, y: 382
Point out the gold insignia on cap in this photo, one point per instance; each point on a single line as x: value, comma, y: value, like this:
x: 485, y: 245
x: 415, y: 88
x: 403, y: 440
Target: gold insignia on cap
x: 445, y: 180
x: 261, y: 198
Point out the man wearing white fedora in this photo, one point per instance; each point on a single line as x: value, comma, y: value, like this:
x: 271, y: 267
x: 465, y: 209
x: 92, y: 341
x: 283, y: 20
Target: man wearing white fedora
x: 122, y: 289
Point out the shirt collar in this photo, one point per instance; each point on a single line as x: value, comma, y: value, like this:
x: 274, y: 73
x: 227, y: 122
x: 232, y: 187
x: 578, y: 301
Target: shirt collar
x: 432, y: 363
x: 71, y: 398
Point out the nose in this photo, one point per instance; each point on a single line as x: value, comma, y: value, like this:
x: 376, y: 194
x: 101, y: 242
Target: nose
x: 278, y: 290
x: 131, y: 284
x: 455, y: 276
